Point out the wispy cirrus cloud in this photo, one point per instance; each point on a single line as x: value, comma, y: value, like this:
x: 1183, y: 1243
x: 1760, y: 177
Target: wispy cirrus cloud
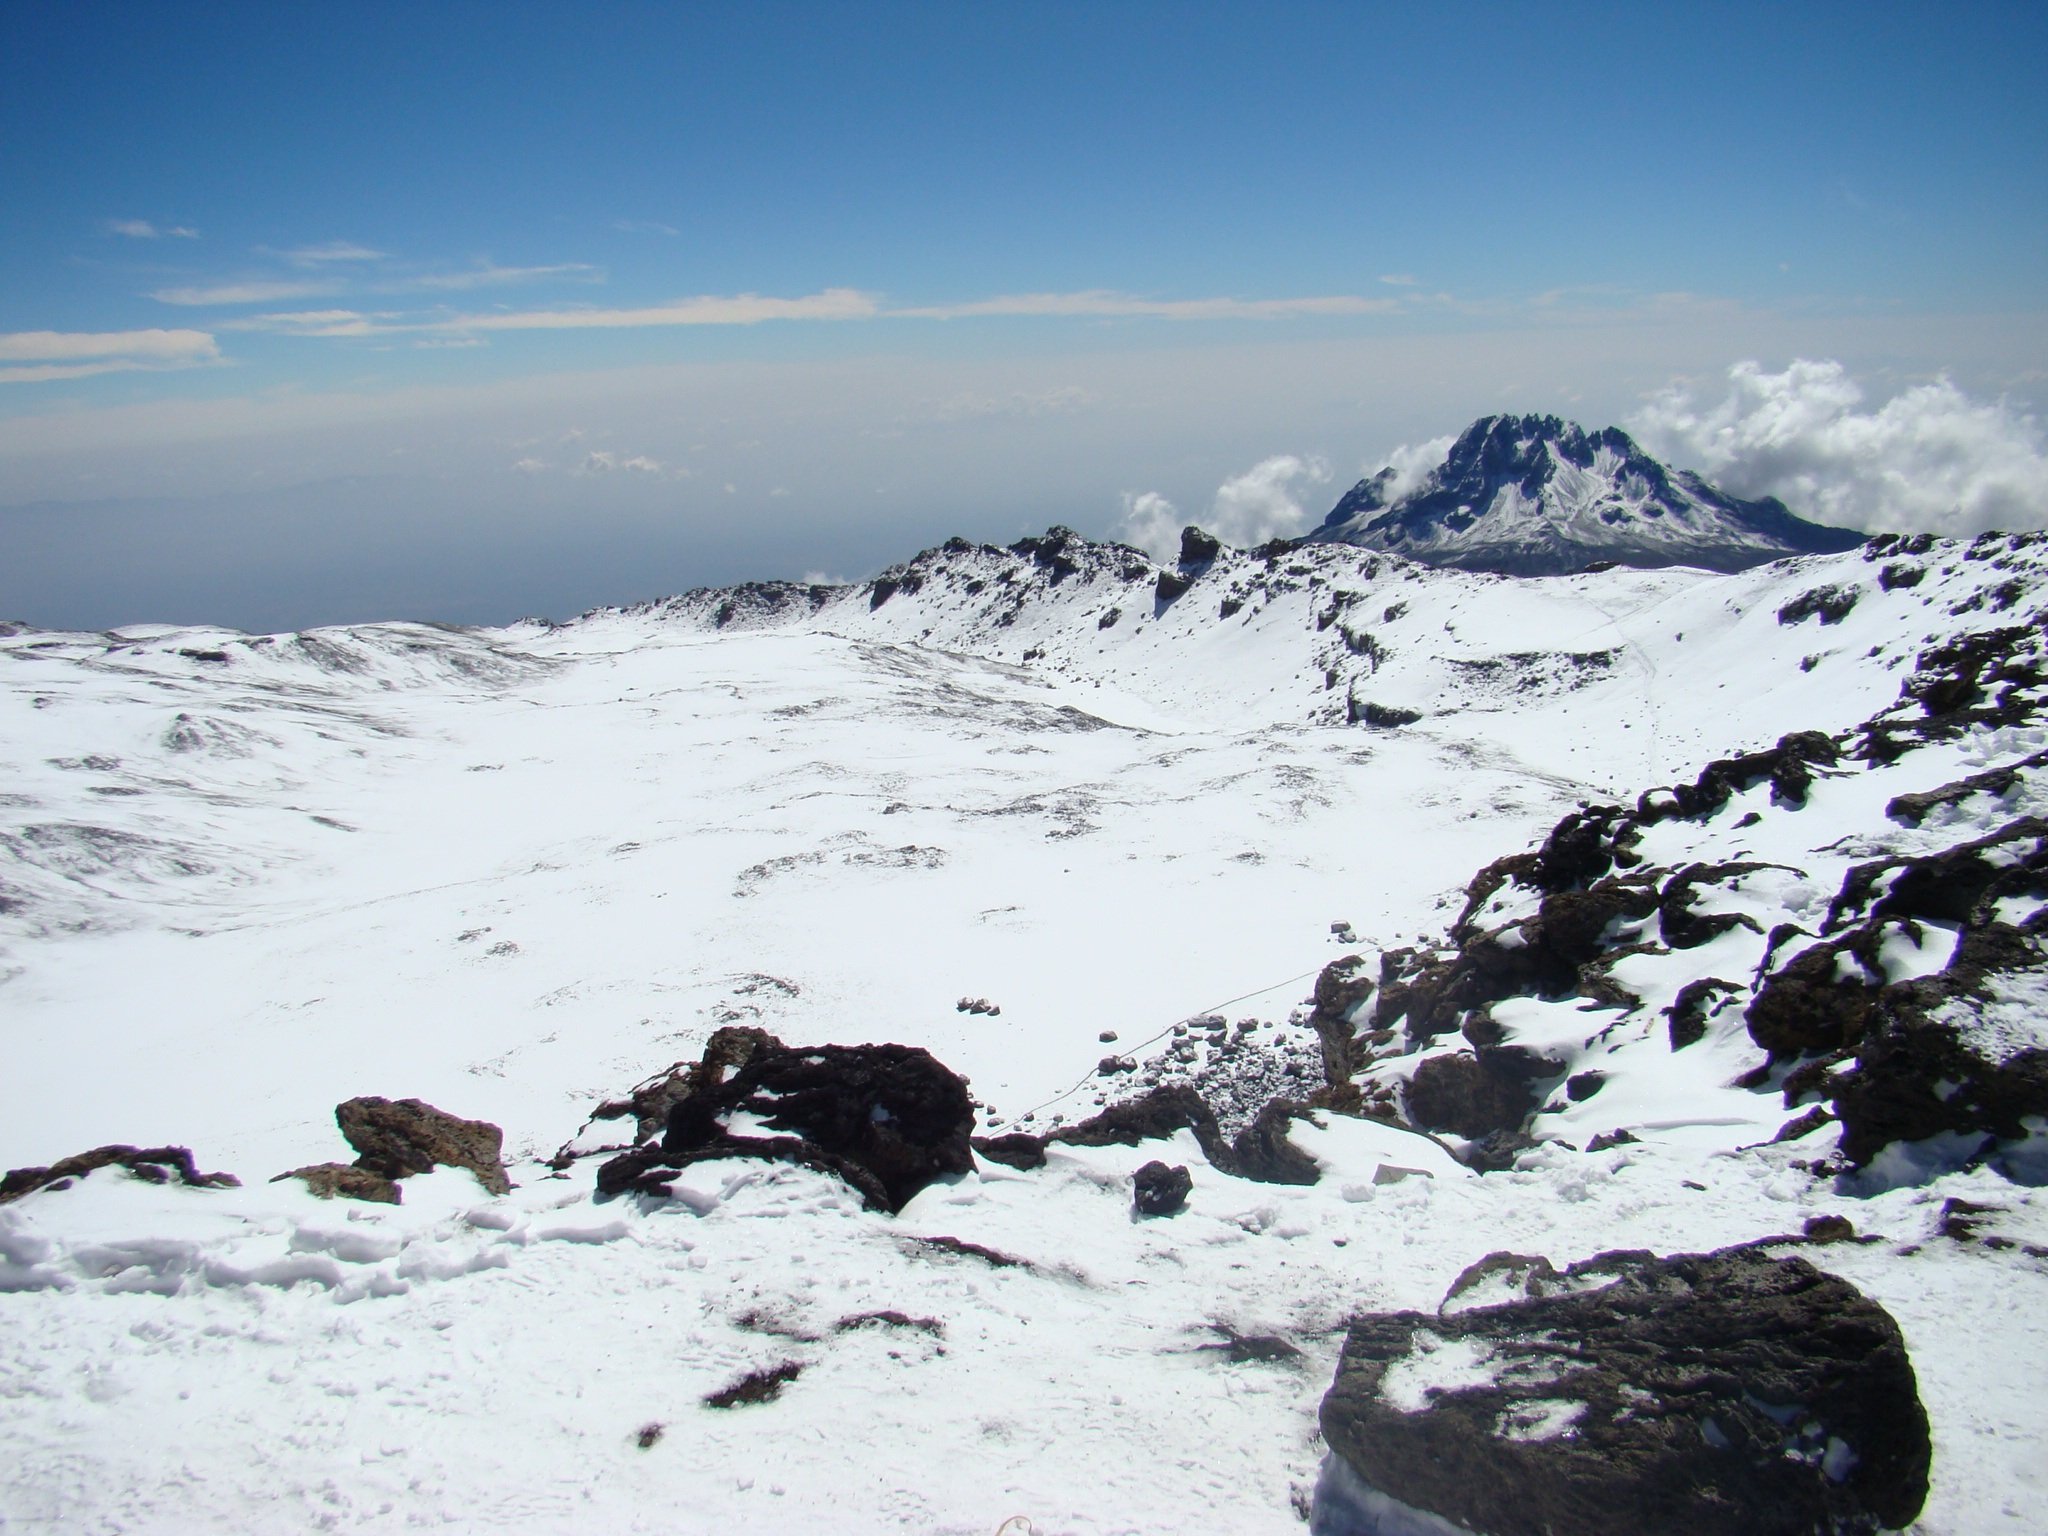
x: 144, y: 229
x: 488, y: 274
x: 706, y: 309
x: 42, y: 356
x: 1104, y: 303
x: 644, y: 227
x: 257, y: 291
x: 828, y: 304
x: 315, y: 322
x: 326, y: 253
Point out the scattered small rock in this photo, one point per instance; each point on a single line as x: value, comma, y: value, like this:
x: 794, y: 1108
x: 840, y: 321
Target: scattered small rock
x: 762, y: 1386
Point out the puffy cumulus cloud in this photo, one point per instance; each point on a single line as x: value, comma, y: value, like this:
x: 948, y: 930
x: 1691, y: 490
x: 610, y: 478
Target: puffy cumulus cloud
x: 40, y: 356
x: 1151, y: 523
x: 1930, y: 458
x: 1260, y: 503
x: 1248, y: 509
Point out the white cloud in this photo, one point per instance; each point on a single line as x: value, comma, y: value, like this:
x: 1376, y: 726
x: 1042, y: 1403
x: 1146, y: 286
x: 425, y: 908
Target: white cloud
x: 326, y: 252
x: 44, y: 373
x: 143, y: 229
x: 63, y: 346
x: 1248, y: 509
x: 602, y: 461
x: 1400, y: 280
x: 709, y: 309
x: 1151, y: 523
x: 644, y: 227
x: 258, y: 292
x: 1930, y: 458
x: 1259, y: 504
x: 530, y: 466
x: 489, y: 275
x: 53, y: 355
x: 313, y: 322
x: 1105, y: 304
x: 1411, y: 464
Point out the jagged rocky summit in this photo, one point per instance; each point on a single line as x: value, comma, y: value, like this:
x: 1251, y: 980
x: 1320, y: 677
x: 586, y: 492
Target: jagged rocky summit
x: 1538, y: 496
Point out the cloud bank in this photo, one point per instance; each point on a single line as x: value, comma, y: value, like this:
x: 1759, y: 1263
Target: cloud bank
x: 1929, y: 459
x: 1248, y: 509
x: 40, y: 356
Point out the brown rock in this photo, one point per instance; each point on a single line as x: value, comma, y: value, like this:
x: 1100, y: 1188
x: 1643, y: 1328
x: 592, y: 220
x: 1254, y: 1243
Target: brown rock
x: 399, y: 1138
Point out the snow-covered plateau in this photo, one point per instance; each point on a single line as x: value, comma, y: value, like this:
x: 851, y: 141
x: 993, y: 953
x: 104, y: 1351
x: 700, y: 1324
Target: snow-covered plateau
x: 1635, y: 909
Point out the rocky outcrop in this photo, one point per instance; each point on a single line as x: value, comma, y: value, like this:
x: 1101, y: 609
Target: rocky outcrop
x: 1260, y: 1151
x: 1721, y: 1394
x: 153, y: 1165
x: 1476, y: 1094
x: 887, y: 1119
x: 398, y: 1138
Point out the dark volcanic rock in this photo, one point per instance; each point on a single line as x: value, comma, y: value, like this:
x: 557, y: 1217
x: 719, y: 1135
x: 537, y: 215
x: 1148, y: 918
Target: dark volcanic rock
x: 1478, y: 1093
x: 1159, y: 1190
x: 887, y: 1119
x: 402, y: 1137
x: 1262, y: 1151
x: 1722, y: 1394
x: 154, y: 1165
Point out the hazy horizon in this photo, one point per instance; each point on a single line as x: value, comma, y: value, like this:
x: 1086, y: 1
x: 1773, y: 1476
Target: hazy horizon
x: 477, y: 313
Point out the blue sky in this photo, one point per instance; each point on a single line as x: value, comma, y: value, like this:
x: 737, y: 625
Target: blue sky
x: 894, y: 271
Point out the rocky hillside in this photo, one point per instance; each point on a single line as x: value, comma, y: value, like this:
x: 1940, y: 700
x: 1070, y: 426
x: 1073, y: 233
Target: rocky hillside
x: 1322, y: 1011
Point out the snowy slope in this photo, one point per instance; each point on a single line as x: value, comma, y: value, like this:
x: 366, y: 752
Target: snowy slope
x: 1536, y: 496
x: 515, y: 872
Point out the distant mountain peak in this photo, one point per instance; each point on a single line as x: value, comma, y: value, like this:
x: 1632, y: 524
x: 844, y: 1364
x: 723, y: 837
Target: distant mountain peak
x: 1541, y: 496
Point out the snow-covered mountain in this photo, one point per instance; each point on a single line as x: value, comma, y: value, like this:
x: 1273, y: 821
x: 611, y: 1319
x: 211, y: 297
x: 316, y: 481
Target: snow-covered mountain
x: 1633, y: 909
x: 1536, y: 496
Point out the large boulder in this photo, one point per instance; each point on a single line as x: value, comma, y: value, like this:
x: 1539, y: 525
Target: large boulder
x: 398, y: 1138
x: 1719, y: 1394
x: 887, y: 1119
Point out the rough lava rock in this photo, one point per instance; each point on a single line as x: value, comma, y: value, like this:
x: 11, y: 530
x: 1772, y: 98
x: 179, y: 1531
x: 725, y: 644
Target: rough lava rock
x: 1719, y: 1394
x: 887, y: 1119
x: 401, y: 1137
x: 1159, y: 1190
